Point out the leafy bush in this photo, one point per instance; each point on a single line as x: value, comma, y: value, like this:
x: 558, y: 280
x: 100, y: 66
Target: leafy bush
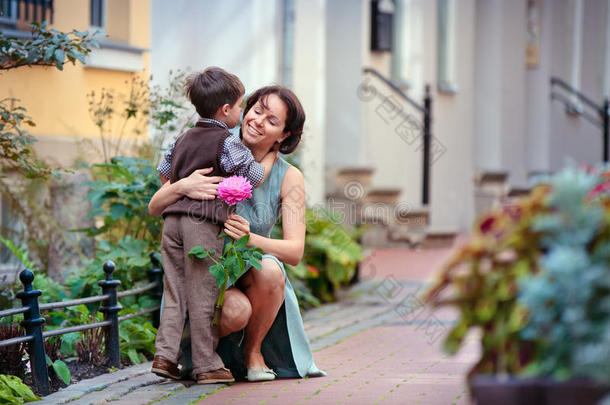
x: 120, y: 199
x: 535, y: 280
x: 137, y: 340
x: 568, y: 301
x: 331, y: 254
x: 12, y: 358
x: 14, y: 391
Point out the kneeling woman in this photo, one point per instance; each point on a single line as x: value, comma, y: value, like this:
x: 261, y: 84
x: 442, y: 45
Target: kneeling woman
x: 263, y: 302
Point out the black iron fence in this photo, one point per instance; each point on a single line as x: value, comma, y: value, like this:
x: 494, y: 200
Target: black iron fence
x: 33, y: 322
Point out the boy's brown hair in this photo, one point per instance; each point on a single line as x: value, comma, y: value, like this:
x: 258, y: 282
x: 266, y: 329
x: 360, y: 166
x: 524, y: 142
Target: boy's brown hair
x: 211, y: 89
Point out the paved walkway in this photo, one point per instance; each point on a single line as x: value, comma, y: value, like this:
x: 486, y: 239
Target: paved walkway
x: 378, y: 344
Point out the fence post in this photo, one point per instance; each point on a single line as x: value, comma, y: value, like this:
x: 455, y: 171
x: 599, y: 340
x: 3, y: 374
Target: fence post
x: 426, y: 149
x: 33, y: 326
x: 156, y: 274
x: 111, y: 313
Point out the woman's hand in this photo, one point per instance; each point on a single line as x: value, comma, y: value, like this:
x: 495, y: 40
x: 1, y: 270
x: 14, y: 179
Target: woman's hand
x: 199, y: 186
x: 237, y: 227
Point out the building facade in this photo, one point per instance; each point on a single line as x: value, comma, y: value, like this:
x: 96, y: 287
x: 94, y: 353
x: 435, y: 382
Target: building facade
x: 488, y: 63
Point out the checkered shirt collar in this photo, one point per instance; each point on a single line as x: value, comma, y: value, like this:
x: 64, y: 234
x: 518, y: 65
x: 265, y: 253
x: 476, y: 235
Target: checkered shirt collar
x: 214, y: 122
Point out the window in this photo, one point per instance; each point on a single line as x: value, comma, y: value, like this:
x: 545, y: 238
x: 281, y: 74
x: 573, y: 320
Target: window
x: 20, y: 13
x: 446, y: 47
x: 8, y: 12
x: 98, y: 13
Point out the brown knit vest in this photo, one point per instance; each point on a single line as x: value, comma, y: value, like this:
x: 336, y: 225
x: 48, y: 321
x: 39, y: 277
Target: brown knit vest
x: 198, y: 148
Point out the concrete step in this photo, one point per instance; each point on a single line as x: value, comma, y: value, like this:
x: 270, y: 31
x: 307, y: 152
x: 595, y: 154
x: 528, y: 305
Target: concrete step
x: 383, y: 196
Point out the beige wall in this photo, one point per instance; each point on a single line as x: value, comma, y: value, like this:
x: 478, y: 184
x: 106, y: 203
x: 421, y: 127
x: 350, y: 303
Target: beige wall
x: 399, y: 164
x: 57, y: 100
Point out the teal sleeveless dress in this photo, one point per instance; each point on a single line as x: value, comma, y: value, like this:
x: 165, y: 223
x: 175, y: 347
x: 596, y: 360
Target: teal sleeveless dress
x: 285, y: 348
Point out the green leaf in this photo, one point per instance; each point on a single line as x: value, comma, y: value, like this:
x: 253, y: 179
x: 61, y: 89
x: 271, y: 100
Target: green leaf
x: 256, y: 263
x: 242, y: 242
x: 218, y: 272
x: 61, y: 369
x: 133, y: 356
x: 118, y: 210
x: 17, y: 388
x: 199, y: 252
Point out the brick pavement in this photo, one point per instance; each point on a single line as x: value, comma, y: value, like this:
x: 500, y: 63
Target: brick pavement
x: 377, y: 344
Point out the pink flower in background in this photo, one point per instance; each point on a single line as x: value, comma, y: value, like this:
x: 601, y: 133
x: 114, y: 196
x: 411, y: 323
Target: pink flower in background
x: 234, y: 189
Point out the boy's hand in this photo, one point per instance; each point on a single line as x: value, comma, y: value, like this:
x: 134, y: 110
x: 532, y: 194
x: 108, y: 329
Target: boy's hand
x: 237, y: 227
x: 199, y: 186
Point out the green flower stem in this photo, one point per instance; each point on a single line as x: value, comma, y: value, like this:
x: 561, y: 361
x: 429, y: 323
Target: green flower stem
x: 221, y: 297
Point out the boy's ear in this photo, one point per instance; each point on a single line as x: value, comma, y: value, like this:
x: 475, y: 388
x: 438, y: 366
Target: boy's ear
x: 225, y: 109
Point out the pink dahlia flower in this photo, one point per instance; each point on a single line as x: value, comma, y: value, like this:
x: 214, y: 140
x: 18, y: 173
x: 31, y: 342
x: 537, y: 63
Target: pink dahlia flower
x: 234, y: 189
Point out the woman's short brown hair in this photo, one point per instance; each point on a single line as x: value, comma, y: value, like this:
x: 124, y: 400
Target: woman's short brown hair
x: 211, y: 89
x: 295, y: 117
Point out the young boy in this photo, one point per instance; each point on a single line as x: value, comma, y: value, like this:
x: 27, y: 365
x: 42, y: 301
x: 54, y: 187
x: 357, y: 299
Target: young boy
x: 189, y: 286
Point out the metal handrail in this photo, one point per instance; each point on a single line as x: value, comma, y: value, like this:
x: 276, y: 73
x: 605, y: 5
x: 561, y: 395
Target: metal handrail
x: 139, y: 290
x: 139, y: 313
x: 14, y: 311
x: 77, y: 328
x: 426, y: 110
x: 561, y: 83
x: 17, y: 340
x: 394, y: 87
x: 70, y: 303
x: 603, y: 110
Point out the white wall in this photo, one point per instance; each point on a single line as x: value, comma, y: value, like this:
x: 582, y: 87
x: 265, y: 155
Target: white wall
x: 241, y: 36
x: 310, y: 85
x: 344, y: 44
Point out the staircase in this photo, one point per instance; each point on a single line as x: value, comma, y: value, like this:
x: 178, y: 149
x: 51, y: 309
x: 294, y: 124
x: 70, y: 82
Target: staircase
x: 390, y: 223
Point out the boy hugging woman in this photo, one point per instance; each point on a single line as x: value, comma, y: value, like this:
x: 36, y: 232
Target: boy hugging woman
x: 189, y: 287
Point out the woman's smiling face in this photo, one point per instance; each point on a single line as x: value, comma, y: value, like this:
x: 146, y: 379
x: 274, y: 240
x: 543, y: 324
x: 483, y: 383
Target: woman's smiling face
x: 264, y: 123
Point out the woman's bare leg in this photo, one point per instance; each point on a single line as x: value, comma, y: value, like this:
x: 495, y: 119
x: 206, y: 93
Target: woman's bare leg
x: 236, y: 312
x: 265, y: 290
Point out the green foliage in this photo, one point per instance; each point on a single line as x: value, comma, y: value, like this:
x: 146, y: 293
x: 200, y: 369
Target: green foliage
x: 534, y: 279
x: 12, y: 358
x: 113, y: 113
x: 60, y: 368
x: 331, y: 254
x: 229, y: 266
x: 481, y: 281
x: 120, y: 201
x: 14, y: 391
x: 47, y: 47
x: 232, y: 264
x: 137, y: 339
x: 569, y: 300
x: 16, y: 142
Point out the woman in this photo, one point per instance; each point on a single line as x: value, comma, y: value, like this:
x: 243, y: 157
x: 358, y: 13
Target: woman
x: 263, y: 302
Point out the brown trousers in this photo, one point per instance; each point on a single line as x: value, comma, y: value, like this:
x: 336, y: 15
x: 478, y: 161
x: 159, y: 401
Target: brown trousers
x: 189, y: 287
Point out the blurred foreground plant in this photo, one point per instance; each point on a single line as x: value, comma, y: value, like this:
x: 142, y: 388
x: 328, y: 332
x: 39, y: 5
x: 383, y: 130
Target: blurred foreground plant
x: 534, y: 279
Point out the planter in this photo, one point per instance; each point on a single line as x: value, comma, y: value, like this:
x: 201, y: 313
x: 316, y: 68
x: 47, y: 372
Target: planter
x: 581, y: 392
x: 489, y: 389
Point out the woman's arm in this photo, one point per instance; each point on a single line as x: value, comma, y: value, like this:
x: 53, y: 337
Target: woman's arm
x: 197, y: 186
x: 289, y: 249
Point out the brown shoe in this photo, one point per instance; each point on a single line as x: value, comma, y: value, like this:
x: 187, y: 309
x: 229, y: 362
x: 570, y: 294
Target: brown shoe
x: 222, y: 375
x: 165, y: 368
